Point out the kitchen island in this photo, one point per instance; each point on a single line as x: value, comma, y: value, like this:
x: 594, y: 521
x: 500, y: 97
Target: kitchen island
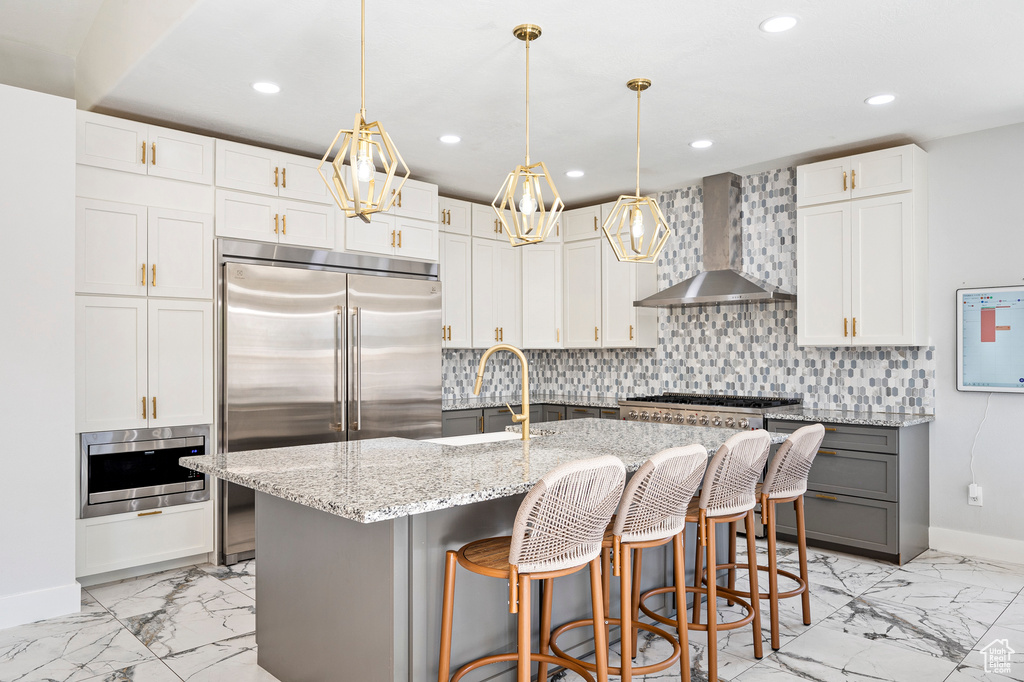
x: 351, y: 540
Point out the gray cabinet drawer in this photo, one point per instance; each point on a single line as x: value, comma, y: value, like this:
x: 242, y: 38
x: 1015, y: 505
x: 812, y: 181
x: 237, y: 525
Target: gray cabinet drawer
x: 552, y: 413
x: 582, y: 412
x: 609, y: 413
x: 462, y: 422
x: 861, y: 474
x: 848, y: 437
x: 851, y: 521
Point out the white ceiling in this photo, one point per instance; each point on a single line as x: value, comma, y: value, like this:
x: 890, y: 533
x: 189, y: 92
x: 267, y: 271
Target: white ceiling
x: 454, y: 67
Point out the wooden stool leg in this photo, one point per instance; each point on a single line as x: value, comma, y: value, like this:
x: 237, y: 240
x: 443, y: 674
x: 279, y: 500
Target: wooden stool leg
x: 698, y: 567
x: 755, y: 600
x: 801, y: 543
x: 679, y: 568
x: 547, y: 589
x: 606, y: 583
x: 600, y: 633
x: 626, y: 615
x: 447, y: 609
x: 773, y: 572
x: 732, y: 557
x: 712, y: 652
x: 638, y: 563
x: 525, y: 644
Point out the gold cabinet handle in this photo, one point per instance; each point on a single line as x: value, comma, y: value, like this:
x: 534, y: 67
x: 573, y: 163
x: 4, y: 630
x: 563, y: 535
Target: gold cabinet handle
x: 855, y: 326
x: 495, y: 333
x: 449, y: 332
x: 844, y: 181
x: 392, y: 239
x: 442, y: 332
x: 630, y: 332
x: 826, y: 452
x: 501, y: 334
x: 826, y: 497
x: 152, y: 280
x: 830, y: 428
x: 579, y: 410
x: 143, y: 153
x: 284, y: 177
x: 152, y: 157
x: 481, y: 424
x: 275, y: 176
x: 143, y: 274
x: 152, y: 513
x: 846, y: 326
x: 399, y: 239
x: 143, y: 407
x: 556, y: 228
x: 399, y: 198
x: 154, y: 407
x: 284, y: 224
x: 595, y: 333
x: 853, y: 178
x: 595, y: 223
x: 275, y: 222
x: 558, y: 331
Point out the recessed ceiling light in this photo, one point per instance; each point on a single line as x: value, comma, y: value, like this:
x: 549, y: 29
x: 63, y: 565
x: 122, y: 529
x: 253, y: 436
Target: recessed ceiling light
x: 574, y: 173
x: 450, y: 139
x: 266, y: 88
x: 701, y: 144
x: 778, y: 24
x: 880, y: 99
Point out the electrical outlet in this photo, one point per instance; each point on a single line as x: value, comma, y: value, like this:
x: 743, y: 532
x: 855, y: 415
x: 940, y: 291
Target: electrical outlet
x: 974, y: 494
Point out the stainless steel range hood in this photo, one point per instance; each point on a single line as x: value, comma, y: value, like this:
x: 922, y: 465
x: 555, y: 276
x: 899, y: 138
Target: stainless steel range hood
x: 723, y: 281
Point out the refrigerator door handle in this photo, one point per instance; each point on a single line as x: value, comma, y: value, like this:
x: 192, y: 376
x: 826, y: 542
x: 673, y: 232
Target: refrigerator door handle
x: 339, y: 376
x: 355, y: 374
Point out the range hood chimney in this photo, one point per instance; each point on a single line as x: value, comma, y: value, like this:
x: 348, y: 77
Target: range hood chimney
x: 722, y: 281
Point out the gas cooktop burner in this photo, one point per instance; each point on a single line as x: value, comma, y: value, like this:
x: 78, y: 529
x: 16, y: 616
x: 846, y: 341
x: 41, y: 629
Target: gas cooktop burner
x: 752, y: 402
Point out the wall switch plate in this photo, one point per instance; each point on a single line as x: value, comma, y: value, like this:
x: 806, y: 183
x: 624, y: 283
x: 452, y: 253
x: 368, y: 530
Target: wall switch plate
x: 974, y: 494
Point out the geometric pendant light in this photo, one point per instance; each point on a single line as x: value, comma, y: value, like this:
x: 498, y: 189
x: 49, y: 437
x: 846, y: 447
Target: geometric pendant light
x: 526, y: 215
x: 636, y: 228
x: 366, y: 147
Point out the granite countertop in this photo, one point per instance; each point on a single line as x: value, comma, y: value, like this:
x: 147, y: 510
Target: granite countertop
x: 852, y: 417
x: 473, y: 402
x: 387, y: 478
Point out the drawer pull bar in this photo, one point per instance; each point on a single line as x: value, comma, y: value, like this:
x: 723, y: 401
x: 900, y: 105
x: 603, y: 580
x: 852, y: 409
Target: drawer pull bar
x: 152, y: 513
x: 830, y: 428
x: 826, y: 452
x: 826, y: 497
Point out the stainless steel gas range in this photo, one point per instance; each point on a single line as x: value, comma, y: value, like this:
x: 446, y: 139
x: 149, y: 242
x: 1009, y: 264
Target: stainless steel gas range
x: 698, y: 409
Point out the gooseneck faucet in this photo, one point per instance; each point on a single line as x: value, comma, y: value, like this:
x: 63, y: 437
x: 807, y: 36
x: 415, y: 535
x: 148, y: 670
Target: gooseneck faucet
x: 523, y: 418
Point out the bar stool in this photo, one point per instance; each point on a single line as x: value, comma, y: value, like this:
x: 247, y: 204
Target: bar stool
x: 557, y: 531
x: 652, y: 513
x: 727, y: 496
x: 786, y: 481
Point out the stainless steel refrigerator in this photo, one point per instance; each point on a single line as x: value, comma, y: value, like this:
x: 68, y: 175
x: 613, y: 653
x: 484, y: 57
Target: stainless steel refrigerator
x: 345, y: 348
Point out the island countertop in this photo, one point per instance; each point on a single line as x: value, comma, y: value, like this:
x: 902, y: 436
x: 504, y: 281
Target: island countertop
x: 387, y: 478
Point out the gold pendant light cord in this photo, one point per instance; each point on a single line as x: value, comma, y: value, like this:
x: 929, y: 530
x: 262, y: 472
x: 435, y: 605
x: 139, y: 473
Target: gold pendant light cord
x: 638, y: 142
x: 527, y: 101
x: 362, y: 60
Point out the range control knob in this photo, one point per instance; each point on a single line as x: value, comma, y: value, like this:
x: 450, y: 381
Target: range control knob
x: 656, y: 417
x: 704, y: 419
x: 743, y: 424
x: 729, y: 421
x: 645, y: 416
x: 632, y: 414
x: 717, y: 421
x: 680, y: 418
x: 692, y: 419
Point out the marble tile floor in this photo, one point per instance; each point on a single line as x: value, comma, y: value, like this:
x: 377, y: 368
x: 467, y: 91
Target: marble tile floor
x: 928, y: 620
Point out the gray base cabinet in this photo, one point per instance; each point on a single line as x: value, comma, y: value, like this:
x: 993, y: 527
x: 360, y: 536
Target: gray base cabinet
x: 552, y: 413
x: 461, y: 422
x: 867, y: 492
x: 582, y: 413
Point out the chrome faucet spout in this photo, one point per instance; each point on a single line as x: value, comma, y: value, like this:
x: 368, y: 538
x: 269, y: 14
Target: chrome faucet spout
x: 523, y: 418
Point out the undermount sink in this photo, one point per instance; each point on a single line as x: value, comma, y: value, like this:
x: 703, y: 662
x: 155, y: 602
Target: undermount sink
x: 477, y: 438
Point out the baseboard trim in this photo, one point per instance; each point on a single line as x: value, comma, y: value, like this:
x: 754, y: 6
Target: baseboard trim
x: 28, y: 607
x: 976, y: 545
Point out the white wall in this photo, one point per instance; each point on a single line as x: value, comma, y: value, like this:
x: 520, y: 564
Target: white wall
x: 976, y: 228
x: 37, y: 354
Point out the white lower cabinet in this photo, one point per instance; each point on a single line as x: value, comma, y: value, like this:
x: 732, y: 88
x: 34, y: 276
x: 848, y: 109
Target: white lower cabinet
x: 582, y: 306
x: 542, y: 295
x: 497, y: 293
x: 270, y: 219
x: 456, y: 295
x: 118, y: 541
x: 142, y: 363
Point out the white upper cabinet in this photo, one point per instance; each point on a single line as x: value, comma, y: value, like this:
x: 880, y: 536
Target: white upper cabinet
x: 864, y: 175
x: 180, y: 355
x: 626, y: 326
x: 485, y: 223
x: 455, y: 216
x: 542, y: 295
x: 390, y: 235
x: 265, y: 171
x: 131, y: 250
x: 862, y: 276
x: 301, y: 180
x: 582, y: 292
x: 581, y: 223
x: 456, y: 292
x: 497, y: 293
x: 264, y: 218
x: 416, y: 200
x: 134, y: 147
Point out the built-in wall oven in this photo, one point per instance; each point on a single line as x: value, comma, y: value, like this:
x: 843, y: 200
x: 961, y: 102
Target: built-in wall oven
x: 125, y: 471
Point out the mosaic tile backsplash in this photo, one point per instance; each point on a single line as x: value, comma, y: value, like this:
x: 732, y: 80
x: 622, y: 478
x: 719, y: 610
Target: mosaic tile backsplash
x: 745, y: 349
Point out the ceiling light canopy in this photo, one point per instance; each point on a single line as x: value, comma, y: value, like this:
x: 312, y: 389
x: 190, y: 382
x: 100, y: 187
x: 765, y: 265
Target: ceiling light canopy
x: 778, y: 24
x: 878, y: 100
x: 366, y: 146
x: 266, y: 87
x: 634, y: 238
x: 528, y: 219
x: 701, y: 144
x: 450, y: 139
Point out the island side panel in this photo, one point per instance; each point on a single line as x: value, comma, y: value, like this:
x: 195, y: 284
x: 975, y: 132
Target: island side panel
x: 333, y: 595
